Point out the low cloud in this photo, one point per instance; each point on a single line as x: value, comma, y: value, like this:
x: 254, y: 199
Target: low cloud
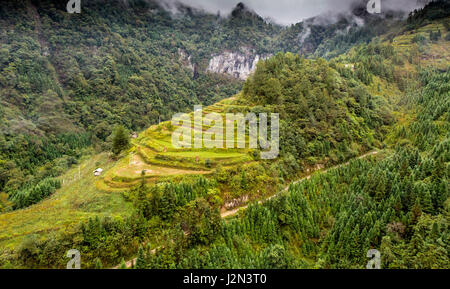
x: 292, y: 11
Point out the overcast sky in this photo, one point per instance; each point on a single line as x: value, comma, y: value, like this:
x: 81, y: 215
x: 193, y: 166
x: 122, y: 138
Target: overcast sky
x: 290, y: 11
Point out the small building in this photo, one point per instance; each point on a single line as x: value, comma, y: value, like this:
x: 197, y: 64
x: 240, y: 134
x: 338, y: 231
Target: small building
x: 351, y: 66
x: 98, y: 172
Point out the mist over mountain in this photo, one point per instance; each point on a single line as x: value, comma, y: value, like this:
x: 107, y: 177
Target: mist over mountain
x: 293, y: 11
x: 282, y: 12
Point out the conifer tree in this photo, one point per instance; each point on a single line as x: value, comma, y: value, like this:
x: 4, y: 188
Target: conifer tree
x: 123, y: 265
x: 98, y: 264
x: 140, y: 261
x: 120, y: 140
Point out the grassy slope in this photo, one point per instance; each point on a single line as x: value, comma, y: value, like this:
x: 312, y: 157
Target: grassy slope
x: 77, y: 200
x: 435, y: 54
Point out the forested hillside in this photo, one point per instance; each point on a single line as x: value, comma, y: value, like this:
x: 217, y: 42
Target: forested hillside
x: 398, y: 204
x: 73, y: 88
x: 164, y: 194
x: 67, y: 79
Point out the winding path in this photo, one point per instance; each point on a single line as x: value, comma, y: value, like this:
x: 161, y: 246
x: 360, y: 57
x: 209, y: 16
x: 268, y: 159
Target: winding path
x: 234, y: 211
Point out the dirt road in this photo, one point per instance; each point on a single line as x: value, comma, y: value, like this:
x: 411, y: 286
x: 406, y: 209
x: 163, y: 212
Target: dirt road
x: 234, y: 211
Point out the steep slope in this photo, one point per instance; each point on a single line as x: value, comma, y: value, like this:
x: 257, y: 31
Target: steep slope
x: 397, y: 203
x: 316, y: 137
x: 67, y: 79
x: 331, y: 112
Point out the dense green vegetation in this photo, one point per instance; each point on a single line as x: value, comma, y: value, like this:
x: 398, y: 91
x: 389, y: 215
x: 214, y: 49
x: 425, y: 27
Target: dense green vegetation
x: 317, y: 137
x: 34, y: 194
x: 72, y: 84
x: 433, y: 11
x: 26, y: 160
x: 187, y: 212
x: 398, y: 204
x: 324, y: 113
x: 67, y: 80
x: 120, y: 140
x: 111, y: 239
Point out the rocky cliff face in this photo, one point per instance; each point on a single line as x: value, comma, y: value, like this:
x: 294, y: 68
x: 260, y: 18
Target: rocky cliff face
x: 239, y: 64
x: 186, y: 60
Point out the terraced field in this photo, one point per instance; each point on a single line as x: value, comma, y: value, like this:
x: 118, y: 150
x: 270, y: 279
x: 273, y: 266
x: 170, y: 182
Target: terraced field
x: 435, y: 54
x: 154, y: 158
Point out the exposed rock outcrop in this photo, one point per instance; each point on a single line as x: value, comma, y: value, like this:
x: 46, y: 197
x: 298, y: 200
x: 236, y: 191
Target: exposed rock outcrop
x: 186, y: 59
x: 238, y: 64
